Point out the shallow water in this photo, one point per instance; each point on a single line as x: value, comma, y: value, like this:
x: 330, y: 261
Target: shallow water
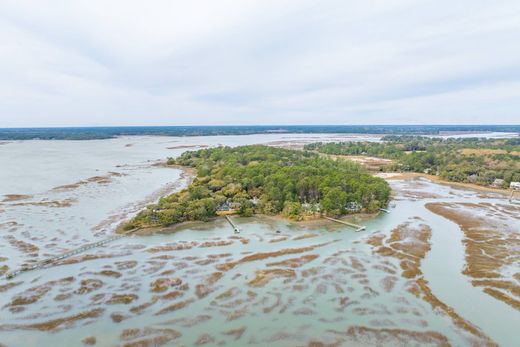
x: 340, y: 284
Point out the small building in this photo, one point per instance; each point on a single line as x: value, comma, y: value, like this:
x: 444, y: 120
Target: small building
x: 308, y: 207
x: 225, y: 206
x: 473, y: 178
x: 498, y: 183
x: 353, y: 206
x: 515, y: 185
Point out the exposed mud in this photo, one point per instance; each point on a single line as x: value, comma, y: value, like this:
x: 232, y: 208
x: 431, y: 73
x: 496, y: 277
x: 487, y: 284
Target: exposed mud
x: 393, y: 337
x: 88, y: 286
x: 144, y: 337
x: 89, y: 341
x: 295, y: 262
x: 491, y: 246
x: 57, y: 324
x: 206, y: 287
x: 16, y: 197
x: 23, y: 246
x: 410, y: 242
x: 123, y: 299
x: 305, y: 236
x: 48, y: 203
x: 265, y: 276
x: 34, y: 294
x: 177, y: 306
x: 261, y: 256
x: 407, y: 242
x: 103, y: 180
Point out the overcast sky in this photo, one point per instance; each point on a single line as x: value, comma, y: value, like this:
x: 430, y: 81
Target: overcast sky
x: 74, y: 63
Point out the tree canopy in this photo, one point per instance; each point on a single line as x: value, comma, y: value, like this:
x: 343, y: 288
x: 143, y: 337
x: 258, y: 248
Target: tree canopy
x: 473, y: 160
x: 262, y: 179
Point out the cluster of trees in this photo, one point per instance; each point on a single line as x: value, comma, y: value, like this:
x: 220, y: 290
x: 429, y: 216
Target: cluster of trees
x: 262, y: 179
x: 473, y: 160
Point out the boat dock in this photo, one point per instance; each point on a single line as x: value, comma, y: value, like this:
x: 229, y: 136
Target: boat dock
x: 233, y: 225
x: 57, y: 258
x: 352, y: 225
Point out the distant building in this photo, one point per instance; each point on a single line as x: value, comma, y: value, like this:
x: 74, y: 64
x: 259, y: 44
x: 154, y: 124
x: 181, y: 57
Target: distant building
x: 154, y: 219
x: 354, y: 206
x: 226, y: 206
x: 473, y: 178
x: 515, y: 185
x: 311, y: 207
x: 498, y: 183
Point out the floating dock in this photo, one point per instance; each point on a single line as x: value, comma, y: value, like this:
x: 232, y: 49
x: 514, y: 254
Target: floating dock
x: 235, y: 228
x: 352, y: 225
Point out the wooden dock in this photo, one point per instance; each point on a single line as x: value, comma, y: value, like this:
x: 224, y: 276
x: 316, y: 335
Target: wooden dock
x: 52, y: 260
x: 352, y: 225
x: 235, y: 228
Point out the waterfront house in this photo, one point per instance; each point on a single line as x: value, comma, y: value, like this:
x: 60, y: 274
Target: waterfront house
x: 498, y: 183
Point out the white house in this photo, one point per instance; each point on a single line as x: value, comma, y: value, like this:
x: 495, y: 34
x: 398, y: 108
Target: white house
x: 498, y: 182
x: 515, y: 185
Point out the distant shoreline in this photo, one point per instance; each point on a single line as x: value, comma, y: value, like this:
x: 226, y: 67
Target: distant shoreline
x: 99, y: 133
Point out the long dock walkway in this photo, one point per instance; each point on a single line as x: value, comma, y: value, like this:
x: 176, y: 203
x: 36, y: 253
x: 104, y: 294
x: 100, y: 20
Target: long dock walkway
x: 50, y: 261
x: 352, y: 225
x: 235, y: 228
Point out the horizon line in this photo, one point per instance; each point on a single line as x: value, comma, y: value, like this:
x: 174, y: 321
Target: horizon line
x: 252, y: 125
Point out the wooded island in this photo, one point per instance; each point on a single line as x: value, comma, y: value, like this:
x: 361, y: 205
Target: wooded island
x: 261, y: 179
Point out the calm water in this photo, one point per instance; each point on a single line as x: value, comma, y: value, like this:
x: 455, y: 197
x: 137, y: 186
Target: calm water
x: 77, y: 191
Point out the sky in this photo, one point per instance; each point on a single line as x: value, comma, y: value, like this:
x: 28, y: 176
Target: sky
x: 220, y: 62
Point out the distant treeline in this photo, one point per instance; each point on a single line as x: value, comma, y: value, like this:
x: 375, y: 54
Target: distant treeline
x: 262, y: 179
x: 473, y: 160
x: 88, y: 133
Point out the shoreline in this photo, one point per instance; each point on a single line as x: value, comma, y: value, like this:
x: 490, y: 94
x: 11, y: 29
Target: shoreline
x: 123, y: 136
x: 371, y: 163
x: 436, y: 179
x: 311, y: 223
x: 185, y: 178
x: 9, y: 139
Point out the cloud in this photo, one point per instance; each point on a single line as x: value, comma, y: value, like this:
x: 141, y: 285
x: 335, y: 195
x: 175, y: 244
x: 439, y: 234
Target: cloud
x: 258, y: 62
